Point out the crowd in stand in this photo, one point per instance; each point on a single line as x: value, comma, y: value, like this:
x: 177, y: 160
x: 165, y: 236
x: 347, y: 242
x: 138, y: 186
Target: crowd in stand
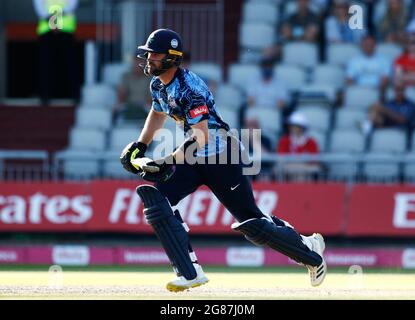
x: 280, y: 91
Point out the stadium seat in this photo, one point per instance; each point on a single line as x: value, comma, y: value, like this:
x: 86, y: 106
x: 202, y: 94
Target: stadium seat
x: 120, y: 137
x: 98, y: 95
x: 112, y: 73
x: 409, y: 167
x: 389, y: 141
x: 347, y: 141
x: 379, y: 167
x: 340, y: 53
x: 321, y: 139
x: 209, y: 71
x: 328, y: 74
x: 86, y: 139
x: 317, y: 117
x: 349, y: 119
x: 269, y: 118
x: 241, y: 75
x: 256, y: 35
x: 80, y: 169
x: 293, y: 77
x: 113, y: 169
x: 317, y: 93
x: 229, y: 96
x: 247, y: 56
x: 360, y: 98
x: 78, y: 164
x: 390, y: 51
x: 343, y: 170
x: 302, y: 54
x: 386, y: 144
x: 93, y: 118
x: 257, y: 12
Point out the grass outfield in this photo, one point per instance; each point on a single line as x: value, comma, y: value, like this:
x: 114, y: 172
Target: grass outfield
x: 130, y: 282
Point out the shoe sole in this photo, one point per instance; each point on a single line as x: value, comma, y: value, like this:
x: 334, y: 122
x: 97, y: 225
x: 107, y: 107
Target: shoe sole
x: 175, y: 288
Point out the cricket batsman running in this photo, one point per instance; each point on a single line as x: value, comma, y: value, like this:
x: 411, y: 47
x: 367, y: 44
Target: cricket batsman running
x: 182, y: 95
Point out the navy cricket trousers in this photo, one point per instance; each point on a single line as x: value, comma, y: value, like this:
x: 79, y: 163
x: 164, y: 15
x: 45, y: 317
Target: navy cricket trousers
x: 226, y: 181
x: 234, y: 191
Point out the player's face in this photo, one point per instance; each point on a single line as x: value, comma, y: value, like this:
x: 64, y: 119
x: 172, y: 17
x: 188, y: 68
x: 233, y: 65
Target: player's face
x: 154, y: 62
x: 296, y: 130
x: 368, y: 46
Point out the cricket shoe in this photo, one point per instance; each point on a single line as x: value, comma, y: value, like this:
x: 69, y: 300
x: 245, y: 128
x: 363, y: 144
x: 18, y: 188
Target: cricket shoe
x: 181, y: 283
x: 317, y: 274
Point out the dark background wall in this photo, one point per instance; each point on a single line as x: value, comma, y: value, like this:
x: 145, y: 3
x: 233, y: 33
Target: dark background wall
x: 2, y: 50
x: 23, y: 11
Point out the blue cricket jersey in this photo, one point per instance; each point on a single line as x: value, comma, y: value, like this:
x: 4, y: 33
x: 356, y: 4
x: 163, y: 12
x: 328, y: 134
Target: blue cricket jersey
x: 187, y: 99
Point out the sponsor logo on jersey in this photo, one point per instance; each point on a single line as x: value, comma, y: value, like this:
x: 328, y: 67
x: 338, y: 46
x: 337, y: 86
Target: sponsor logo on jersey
x: 199, y: 111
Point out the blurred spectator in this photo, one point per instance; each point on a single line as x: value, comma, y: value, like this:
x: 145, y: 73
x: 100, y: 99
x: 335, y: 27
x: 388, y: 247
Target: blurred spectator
x: 298, y: 141
x: 391, y: 27
x: 133, y: 95
x: 57, y: 67
x: 337, y: 28
x: 303, y: 25
x: 369, y: 68
x: 404, y: 67
x: 267, y: 91
x: 397, y: 112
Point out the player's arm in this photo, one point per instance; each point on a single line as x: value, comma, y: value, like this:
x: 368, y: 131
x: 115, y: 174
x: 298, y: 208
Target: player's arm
x: 155, y: 121
x: 136, y: 149
x: 161, y: 169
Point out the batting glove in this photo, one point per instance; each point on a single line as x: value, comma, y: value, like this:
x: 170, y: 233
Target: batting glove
x: 132, y: 151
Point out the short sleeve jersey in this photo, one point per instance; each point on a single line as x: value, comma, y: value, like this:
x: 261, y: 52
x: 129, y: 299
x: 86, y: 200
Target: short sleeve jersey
x: 187, y: 99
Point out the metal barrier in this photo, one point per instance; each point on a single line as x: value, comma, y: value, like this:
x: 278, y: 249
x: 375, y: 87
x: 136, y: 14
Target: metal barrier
x: 320, y: 167
x: 273, y: 166
x: 25, y: 172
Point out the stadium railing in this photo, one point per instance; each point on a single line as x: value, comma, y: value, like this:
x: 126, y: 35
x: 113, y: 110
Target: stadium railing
x: 27, y: 165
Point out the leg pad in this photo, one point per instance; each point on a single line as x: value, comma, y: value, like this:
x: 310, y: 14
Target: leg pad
x: 168, y: 229
x: 286, y: 240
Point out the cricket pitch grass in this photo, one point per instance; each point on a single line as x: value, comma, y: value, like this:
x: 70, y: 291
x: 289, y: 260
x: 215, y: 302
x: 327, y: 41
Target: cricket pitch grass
x: 225, y: 283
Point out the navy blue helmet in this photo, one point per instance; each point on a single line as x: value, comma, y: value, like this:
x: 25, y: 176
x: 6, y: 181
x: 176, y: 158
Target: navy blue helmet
x: 164, y: 41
